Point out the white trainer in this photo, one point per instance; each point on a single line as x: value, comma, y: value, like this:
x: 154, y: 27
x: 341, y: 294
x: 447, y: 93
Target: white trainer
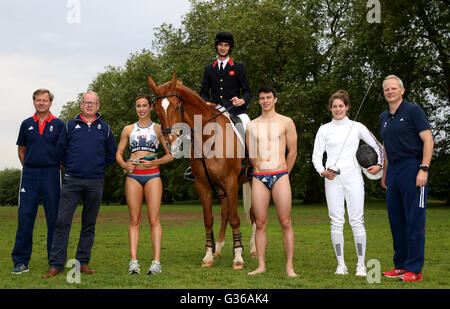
x: 361, y: 270
x: 134, y: 267
x: 155, y: 268
x: 341, y: 270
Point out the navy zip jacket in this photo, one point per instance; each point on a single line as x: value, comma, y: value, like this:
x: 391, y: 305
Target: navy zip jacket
x: 86, y: 150
x: 222, y: 86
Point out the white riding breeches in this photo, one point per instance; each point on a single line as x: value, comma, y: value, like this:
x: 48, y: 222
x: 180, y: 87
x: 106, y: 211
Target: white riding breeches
x: 245, y: 120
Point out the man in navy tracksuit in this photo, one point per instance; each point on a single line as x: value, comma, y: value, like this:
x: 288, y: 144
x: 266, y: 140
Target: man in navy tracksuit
x: 86, y: 147
x: 409, y: 147
x: 41, y: 176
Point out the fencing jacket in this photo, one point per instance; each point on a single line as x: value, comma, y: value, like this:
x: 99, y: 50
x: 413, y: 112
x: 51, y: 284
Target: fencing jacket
x: 331, y: 136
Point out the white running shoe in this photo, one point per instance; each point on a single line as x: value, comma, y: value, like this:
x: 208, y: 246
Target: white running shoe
x: 134, y: 267
x: 341, y: 270
x: 155, y: 268
x: 361, y: 270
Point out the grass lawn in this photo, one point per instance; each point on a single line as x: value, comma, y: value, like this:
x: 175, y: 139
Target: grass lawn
x: 183, y: 250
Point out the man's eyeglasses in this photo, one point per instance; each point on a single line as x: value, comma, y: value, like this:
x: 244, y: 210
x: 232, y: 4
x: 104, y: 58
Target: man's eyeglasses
x: 88, y: 103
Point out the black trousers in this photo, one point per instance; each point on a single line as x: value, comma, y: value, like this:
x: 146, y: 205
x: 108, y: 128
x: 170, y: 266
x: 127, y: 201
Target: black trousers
x: 74, y: 190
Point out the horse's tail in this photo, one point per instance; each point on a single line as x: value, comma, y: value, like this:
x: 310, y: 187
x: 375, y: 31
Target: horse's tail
x: 247, y: 199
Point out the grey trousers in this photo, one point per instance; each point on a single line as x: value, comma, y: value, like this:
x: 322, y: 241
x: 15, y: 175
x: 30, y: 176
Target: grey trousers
x: 74, y: 190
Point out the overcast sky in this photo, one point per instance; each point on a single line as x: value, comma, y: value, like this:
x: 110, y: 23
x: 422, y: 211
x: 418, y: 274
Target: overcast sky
x: 62, y: 45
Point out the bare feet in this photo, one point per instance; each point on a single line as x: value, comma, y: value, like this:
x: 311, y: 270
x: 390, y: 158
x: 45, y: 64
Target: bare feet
x: 290, y: 269
x: 291, y: 273
x: 259, y: 270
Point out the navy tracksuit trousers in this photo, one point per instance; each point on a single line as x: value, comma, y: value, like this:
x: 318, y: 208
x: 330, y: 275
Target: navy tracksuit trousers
x: 76, y: 189
x: 36, y: 182
x: 406, y: 205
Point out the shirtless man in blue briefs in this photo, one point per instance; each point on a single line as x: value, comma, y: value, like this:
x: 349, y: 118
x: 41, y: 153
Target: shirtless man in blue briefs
x: 267, y: 138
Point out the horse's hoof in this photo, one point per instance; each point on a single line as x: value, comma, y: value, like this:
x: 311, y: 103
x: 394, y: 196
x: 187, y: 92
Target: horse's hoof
x: 217, y: 254
x: 207, y: 263
x: 238, y: 265
x: 253, y: 255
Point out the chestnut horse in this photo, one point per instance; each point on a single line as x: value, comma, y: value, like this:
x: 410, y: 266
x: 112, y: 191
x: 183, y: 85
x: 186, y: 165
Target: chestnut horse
x: 178, y: 105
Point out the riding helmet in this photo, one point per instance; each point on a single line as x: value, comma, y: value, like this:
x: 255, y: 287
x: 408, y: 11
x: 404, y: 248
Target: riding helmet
x: 224, y: 37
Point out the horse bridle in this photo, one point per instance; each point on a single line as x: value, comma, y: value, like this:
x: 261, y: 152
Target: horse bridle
x: 169, y: 130
x: 180, y: 106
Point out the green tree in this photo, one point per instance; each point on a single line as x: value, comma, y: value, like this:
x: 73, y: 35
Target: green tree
x: 9, y: 186
x: 412, y: 42
x: 306, y: 50
x: 117, y: 88
x: 309, y: 49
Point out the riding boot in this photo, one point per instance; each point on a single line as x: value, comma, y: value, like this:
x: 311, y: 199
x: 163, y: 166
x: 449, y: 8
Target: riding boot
x: 249, y: 171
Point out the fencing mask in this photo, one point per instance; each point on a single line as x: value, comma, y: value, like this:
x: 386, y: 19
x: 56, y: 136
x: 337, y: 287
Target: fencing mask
x: 367, y: 157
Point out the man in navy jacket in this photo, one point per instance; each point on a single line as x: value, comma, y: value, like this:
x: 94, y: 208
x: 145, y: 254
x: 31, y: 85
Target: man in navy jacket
x: 225, y: 81
x: 41, y: 176
x: 225, y: 85
x: 86, y: 147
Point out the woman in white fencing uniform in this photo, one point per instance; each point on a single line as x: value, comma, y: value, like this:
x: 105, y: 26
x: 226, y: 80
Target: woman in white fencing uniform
x: 340, y: 139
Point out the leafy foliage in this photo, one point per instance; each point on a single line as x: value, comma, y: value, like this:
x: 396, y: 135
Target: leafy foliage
x: 9, y: 186
x: 306, y: 50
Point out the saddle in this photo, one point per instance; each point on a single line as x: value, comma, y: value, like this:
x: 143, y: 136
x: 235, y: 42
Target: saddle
x: 238, y: 127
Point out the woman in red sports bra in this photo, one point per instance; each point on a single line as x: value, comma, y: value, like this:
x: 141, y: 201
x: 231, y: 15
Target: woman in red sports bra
x: 143, y: 178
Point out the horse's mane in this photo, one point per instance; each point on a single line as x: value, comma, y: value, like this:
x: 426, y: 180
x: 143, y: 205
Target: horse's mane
x: 187, y: 90
x: 179, y: 82
x: 191, y: 92
x: 180, y: 86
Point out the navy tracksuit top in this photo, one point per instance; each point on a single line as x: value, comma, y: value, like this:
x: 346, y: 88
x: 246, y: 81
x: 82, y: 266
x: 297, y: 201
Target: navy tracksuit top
x: 86, y: 150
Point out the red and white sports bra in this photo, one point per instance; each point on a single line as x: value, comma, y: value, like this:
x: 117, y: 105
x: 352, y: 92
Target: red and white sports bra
x: 144, y: 139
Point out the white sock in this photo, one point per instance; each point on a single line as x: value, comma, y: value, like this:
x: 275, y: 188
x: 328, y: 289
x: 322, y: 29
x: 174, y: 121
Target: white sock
x: 360, y: 244
x: 338, y: 244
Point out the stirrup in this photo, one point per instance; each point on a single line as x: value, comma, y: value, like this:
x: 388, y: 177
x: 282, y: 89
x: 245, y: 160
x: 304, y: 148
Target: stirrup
x: 188, y: 174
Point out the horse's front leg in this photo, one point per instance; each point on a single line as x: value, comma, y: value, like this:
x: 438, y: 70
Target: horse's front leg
x: 208, y: 219
x: 233, y: 218
x: 223, y: 228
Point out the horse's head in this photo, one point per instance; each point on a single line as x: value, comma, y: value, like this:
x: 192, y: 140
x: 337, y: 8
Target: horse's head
x: 169, y: 109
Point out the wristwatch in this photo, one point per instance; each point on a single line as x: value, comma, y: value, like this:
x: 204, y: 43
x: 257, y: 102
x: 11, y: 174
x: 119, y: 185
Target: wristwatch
x: 424, y: 168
